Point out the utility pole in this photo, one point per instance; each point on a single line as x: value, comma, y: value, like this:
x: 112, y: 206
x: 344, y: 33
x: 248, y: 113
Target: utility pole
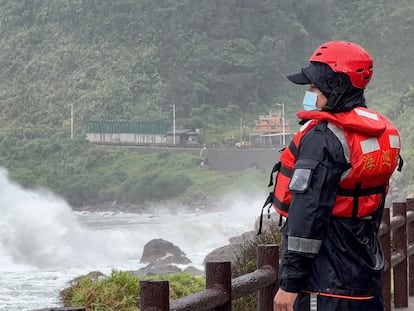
x: 241, y: 129
x: 71, y: 120
x: 173, y: 107
x: 283, y: 122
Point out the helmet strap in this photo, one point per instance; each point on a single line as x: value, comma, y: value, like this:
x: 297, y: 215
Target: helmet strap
x: 335, y: 98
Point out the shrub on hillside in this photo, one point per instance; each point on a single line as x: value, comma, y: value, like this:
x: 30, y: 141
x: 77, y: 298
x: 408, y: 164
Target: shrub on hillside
x: 154, y: 188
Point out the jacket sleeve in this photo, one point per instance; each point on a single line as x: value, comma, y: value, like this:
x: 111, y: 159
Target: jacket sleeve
x: 314, y: 183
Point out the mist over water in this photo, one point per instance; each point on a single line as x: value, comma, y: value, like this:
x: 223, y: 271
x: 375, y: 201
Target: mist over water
x: 44, y: 244
x: 38, y: 229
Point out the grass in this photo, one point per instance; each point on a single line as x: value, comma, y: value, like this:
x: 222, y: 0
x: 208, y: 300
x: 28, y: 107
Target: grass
x: 120, y: 290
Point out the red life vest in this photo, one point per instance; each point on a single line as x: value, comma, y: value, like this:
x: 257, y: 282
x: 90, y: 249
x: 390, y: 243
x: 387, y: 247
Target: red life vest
x: 371, y: 145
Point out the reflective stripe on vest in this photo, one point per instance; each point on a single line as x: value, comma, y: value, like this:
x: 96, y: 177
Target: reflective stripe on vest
x: 363, y: 186
x: 304, y: 245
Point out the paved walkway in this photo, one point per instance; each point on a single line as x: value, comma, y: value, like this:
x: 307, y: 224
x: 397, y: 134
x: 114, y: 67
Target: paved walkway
x: 410, y: 305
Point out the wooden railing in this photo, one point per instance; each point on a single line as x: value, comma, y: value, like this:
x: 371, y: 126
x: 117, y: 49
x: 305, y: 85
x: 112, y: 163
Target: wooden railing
x: 220, y: 288
x: 397, y: 239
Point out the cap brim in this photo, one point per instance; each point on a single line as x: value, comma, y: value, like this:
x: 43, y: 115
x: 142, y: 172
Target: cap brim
x: 299, y: 78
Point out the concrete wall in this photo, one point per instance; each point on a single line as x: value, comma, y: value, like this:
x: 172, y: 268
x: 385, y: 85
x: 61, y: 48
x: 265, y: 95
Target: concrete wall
x: 231, y: 159
x: 240, y: 159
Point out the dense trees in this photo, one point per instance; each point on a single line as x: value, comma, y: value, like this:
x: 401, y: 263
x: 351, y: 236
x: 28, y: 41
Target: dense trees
x: 131, y: 59
x: 216, y: 60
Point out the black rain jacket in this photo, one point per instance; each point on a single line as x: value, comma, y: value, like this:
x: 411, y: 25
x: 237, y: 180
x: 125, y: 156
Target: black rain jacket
x: 350, y: 260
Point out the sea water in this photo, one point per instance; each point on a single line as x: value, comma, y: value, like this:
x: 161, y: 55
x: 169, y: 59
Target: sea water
x: 44, y: 244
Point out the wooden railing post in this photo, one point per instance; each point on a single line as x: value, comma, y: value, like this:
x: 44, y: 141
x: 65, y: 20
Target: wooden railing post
x: 400, y: 269
x: 267, y: 255
x: 410, y: 242
x: 385, y: 239
x: 218, y: 277
x: 154, y: 296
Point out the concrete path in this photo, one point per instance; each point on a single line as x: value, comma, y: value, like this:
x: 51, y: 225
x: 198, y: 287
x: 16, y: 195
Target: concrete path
x: 410, y: 305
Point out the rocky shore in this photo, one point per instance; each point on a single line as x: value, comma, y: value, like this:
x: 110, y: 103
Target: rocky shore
x: 197, y: 203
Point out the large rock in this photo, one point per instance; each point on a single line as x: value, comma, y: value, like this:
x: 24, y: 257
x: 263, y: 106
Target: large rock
x: 244, y: 238
x: 160, y: 268
x: 161, y: 257
x: 232, y: 251
x: 157, y: 268
x: 270, y: 222
x: 228, y: 252
x: 93, y: 275
x: 161, y: 251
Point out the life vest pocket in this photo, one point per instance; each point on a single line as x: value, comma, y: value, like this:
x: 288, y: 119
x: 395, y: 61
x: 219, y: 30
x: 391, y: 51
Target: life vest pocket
x: 302, y: 175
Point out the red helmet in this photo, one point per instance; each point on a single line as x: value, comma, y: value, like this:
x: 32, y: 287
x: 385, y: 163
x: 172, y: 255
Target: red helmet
x: 348, y: 58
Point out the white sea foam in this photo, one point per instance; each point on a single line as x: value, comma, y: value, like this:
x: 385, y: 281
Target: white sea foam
x: 44, y: 244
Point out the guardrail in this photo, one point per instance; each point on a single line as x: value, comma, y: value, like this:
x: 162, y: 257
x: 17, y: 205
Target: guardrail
x: 220, y: 289
x: 397, y: 239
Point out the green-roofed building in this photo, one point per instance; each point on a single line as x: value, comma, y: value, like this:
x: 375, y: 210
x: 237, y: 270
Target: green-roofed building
x: 127, y: 132
x: 151, y: 133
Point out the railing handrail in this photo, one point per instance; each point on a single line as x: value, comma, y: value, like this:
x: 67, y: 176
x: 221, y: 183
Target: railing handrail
x: 395, y: 232
x: 220, y: 288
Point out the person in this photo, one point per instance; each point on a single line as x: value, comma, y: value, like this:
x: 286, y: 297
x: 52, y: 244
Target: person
x: 331, y: 185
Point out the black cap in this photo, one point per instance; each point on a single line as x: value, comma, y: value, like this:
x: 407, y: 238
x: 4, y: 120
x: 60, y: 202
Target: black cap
x: 299, y: 78
x: 319, y: 74
x: 309, y: 74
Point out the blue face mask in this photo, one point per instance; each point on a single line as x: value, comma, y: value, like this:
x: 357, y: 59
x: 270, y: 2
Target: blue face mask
x: 309, y: 101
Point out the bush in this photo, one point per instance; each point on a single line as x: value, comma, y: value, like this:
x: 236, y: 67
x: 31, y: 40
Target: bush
x: 247, y: 262
x: 120, y: 290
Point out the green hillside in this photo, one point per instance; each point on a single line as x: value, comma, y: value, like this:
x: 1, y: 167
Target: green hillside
x: 131, y: 60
